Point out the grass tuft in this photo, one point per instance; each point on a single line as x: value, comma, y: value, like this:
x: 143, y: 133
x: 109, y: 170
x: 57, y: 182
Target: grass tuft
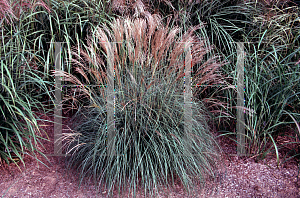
x: 150, y: 141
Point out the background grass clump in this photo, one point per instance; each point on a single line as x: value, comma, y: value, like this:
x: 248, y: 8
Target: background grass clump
x: 150, y: 141
x: 22, y: 86
x: 270, y: 31
x: 28, y: 32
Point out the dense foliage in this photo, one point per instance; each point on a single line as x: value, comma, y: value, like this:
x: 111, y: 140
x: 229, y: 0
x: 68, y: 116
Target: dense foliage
x: 149, y: 81
x: 150, y: 140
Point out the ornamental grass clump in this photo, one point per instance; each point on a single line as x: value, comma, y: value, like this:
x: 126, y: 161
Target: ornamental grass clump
x: 151, y: 146
x: 14, y: 9
x: 272, y: 93
x: 21, y: 88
